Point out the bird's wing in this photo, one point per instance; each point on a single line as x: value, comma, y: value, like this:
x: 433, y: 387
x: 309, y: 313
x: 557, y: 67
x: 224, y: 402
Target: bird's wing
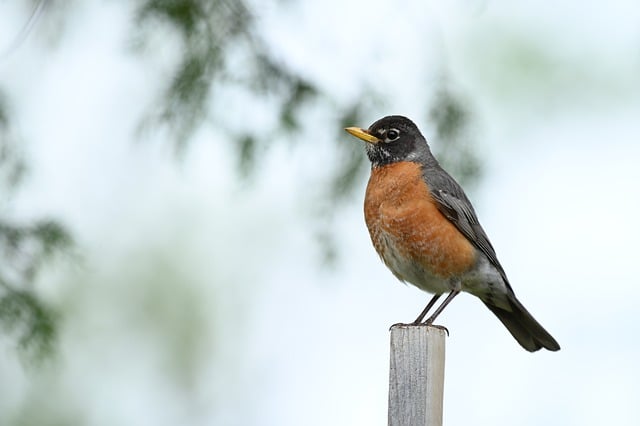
x: 456, y: 207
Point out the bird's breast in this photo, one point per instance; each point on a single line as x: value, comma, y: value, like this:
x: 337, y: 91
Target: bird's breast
x: 414, y: 239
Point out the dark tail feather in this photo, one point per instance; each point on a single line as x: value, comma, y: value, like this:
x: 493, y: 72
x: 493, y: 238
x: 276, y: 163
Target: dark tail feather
x: 526, y: 330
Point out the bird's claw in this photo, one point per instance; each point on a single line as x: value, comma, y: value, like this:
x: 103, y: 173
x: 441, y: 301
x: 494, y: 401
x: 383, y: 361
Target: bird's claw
x: 440, y: 327
x: 420, y: 324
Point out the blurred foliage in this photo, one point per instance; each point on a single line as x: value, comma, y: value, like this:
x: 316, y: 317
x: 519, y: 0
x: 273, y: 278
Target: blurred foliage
x: 11, y: 165
x: 351, y: 155
x: 22, y: 313
x: 24, y: 249
x: 453, y: 144
x: 211, y: 34
x: 176, y: 316
x: 352, y: 165
x: 221, y: 46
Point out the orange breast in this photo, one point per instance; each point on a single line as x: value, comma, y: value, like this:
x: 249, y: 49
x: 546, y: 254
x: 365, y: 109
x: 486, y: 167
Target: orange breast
x: 405, y: 223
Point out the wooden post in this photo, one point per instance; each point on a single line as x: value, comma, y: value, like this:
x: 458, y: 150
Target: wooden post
x: 416, y: 375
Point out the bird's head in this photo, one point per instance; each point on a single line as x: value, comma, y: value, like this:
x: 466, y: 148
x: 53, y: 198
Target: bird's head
x: 393, y: 139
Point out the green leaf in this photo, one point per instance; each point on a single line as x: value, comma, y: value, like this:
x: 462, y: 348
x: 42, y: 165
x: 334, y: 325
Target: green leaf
x: 34, y: 323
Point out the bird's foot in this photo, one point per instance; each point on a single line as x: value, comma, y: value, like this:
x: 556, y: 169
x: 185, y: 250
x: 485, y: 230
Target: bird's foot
x: 440, y: 327
x: 420, y: 324
x: 402, y: 324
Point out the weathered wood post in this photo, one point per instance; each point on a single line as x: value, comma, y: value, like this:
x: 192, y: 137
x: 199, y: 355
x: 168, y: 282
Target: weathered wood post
x: 416, y: 375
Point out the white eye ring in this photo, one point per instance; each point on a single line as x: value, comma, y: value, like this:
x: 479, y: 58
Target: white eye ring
x: 392, y: 135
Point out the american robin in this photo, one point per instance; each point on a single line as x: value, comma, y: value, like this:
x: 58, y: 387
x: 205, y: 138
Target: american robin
x: 426, y: 231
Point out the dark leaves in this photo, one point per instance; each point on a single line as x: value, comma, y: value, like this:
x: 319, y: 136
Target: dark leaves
x: 299, y: 91
x: 185, y: 99
x: 208, y: 33
x: 183, y: 14
x: 246, y: 154
x: 23, y: 314
x: 222, y: 48
x: 24, y: 249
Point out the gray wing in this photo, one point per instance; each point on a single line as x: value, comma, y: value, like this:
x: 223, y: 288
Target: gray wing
x: 455, y: 206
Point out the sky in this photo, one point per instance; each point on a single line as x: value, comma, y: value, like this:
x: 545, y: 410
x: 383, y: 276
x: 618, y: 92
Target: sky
x: 558, y: 124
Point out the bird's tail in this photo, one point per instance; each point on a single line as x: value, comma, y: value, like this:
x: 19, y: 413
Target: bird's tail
x: 521, y: 324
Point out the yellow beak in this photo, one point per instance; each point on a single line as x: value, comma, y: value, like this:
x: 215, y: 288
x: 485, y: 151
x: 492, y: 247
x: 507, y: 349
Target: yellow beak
x: 362, y: 134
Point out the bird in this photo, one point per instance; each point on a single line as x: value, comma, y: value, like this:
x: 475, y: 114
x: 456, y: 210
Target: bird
x: 427, y: 232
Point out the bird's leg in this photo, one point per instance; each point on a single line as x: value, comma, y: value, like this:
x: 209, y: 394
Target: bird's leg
x: 432, y: 302
x: 449, y: 298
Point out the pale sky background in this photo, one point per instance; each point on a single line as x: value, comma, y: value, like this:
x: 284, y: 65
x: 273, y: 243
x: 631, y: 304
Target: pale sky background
x: 280, y: 340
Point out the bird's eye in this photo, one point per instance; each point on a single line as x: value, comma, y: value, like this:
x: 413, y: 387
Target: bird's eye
x: 392, y: 135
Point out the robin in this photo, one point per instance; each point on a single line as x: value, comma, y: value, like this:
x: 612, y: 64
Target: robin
x: 426, y: 231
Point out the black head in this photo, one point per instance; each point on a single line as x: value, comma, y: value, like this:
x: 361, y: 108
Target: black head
x: 393, y: 139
